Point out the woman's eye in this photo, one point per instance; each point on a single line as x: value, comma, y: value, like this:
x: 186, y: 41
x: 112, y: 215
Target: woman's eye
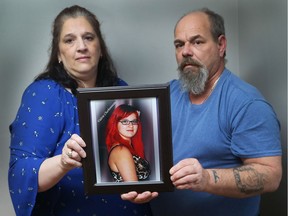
x: 68, y: 41
x: 89, y: 37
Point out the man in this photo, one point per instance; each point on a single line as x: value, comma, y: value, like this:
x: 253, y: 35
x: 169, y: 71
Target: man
x: 226, y: 139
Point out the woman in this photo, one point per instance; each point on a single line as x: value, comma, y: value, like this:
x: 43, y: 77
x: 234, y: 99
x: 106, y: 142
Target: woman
x: 46, y: 149
x: 125, y: 147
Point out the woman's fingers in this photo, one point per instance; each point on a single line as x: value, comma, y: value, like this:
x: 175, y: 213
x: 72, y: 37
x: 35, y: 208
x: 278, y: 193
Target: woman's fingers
x: 73, y: 152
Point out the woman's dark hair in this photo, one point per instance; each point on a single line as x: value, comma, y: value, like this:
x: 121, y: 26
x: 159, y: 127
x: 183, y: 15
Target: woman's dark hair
x: 107, y: 75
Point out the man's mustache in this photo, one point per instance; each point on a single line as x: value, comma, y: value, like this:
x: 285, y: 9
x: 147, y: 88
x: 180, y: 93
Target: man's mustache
x: 189, y: 61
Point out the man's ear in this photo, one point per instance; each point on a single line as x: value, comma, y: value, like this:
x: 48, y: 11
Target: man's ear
x: 222, y: 42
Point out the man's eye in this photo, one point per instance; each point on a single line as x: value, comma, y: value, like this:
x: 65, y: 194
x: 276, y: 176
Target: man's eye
x: 178, y: 45
x: 197, y: 42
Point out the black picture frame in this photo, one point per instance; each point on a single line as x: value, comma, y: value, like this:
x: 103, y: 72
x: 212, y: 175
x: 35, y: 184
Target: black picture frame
x: 94, y: 107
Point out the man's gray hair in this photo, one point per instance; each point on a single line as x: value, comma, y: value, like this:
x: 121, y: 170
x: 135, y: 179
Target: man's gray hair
x: 217, y: 27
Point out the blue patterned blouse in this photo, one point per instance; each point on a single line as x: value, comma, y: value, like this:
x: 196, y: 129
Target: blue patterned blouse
x: 47, y: 117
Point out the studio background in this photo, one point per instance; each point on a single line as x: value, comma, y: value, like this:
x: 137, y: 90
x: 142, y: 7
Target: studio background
x: 139, y: 35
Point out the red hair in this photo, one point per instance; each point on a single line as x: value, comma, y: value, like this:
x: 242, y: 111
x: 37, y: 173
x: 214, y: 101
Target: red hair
x: 112, y: 133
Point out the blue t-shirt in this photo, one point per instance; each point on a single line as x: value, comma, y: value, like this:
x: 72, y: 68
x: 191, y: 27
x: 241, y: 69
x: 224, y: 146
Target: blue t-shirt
x: 235, y: 122
x: 46, y: 119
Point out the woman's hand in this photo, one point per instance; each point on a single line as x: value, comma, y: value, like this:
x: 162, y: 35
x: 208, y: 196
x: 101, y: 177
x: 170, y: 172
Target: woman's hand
x: 73, y: 152
x: 139, y: 198
x: 53, y: 169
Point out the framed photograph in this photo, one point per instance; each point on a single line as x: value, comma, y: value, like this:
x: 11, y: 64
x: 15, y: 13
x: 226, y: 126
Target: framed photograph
x: 127, y: 130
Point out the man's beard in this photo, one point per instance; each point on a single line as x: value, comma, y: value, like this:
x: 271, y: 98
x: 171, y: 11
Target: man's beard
x: 193, y: 81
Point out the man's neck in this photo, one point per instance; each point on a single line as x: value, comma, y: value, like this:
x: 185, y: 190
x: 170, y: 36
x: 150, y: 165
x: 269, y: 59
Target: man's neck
x: 209, y: 88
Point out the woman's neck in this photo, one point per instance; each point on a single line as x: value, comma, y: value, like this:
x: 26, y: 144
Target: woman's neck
x: 86, y: 84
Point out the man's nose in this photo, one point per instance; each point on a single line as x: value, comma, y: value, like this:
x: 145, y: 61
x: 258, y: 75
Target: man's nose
x: 187, y: 50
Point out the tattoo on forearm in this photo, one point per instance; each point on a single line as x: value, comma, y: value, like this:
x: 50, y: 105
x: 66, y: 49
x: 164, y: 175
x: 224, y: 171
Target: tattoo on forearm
x: 216, y: 177
x: 248, y: 180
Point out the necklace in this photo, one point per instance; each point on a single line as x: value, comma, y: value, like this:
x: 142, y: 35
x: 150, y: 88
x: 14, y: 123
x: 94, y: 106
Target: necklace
x: 211, y: 90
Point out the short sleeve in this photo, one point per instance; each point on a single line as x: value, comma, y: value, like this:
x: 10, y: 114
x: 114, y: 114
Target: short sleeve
x: 256, y: 131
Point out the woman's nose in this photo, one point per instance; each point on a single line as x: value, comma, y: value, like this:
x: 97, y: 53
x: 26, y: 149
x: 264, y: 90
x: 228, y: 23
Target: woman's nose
x: 81, y: 45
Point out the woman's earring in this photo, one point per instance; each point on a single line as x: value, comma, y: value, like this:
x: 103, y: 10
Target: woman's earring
x: 59, y: 61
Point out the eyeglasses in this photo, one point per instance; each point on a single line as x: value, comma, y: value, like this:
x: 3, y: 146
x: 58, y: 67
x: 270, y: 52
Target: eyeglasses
x: 127, y: 122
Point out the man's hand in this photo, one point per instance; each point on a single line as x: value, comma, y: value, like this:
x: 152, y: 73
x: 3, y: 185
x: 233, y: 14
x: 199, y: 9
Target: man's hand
x: 189, y: 174
x: 135, y: 197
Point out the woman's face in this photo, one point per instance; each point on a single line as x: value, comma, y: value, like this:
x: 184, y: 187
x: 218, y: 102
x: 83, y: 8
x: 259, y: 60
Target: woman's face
x: 79, y: 49
x: 128, y: 126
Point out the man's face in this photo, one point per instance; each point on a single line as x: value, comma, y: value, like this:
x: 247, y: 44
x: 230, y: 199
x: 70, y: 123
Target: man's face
x: 197, y: 54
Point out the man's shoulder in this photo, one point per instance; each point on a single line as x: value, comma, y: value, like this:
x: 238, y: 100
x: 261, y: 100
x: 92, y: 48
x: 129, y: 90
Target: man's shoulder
x: 174, y: 85
x: 240, y: 88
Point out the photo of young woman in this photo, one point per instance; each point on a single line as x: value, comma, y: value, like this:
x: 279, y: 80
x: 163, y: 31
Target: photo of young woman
x: 126, y: 157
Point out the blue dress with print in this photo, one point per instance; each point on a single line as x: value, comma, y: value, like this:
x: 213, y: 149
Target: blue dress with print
x: 47, y: 117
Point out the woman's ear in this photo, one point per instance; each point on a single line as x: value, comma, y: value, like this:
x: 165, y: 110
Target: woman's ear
x: 59, y: 58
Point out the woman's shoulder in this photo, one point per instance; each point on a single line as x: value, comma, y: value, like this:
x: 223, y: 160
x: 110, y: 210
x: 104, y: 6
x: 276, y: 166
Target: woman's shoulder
x: 43, y: 85
x: 45, y: 91
x: 121, y: 82
x: 120, y: 153
x: 119, y: 148
x: 46, y: 87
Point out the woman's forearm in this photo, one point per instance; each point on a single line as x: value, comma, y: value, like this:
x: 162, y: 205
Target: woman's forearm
x: 50, y: 173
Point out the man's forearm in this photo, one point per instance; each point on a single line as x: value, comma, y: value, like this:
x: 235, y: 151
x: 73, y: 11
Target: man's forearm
x: 243, y: 181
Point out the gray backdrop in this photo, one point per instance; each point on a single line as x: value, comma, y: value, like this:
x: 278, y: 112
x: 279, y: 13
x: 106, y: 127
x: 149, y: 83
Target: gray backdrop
x: 139, y: 35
